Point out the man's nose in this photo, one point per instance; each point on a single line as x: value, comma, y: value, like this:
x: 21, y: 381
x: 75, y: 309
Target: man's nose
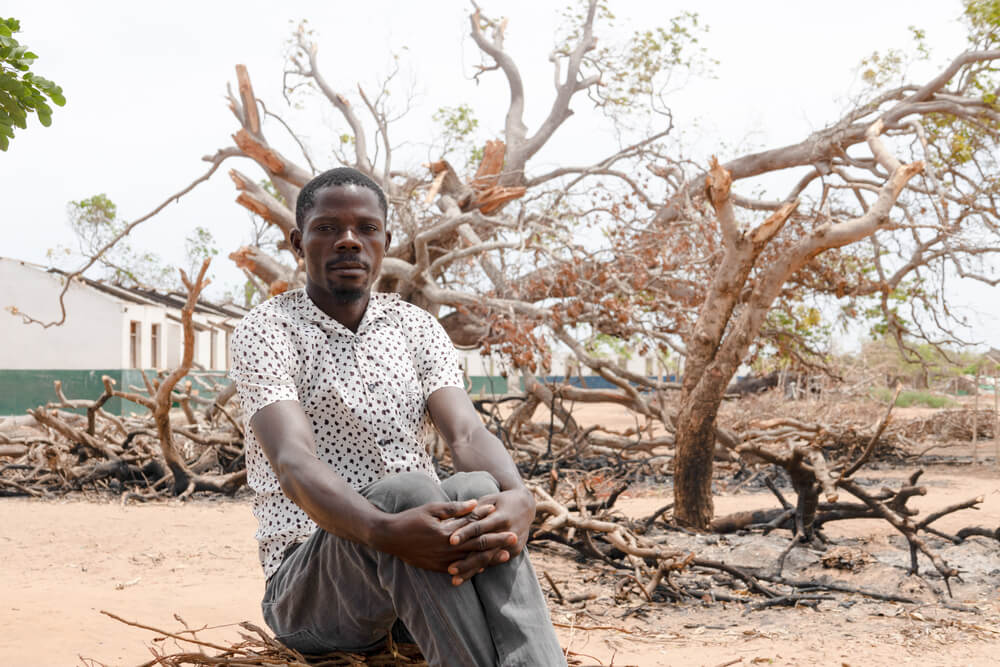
x: 348, y: 241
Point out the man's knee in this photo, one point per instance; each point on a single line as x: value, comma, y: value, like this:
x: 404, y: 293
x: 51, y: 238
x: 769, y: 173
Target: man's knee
x: 469, y: 485
x: 403, y: 491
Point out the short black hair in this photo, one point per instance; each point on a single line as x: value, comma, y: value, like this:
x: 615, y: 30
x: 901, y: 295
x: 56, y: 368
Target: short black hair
x: 335, y: 177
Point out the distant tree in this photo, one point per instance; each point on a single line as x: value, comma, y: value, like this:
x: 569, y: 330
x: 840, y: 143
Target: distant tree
x: 22, y: 92
x: 918, y: 364
x: 99, y: 233
x: 95, y: 222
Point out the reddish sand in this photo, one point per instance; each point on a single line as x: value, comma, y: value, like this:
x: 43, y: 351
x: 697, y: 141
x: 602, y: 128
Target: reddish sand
x: 65, y: 561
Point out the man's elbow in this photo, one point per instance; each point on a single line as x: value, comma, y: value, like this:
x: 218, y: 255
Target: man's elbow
x: 292, y: 472
x: 466, y: 439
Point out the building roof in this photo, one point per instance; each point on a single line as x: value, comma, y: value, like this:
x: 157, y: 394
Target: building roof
x: 146, y: 296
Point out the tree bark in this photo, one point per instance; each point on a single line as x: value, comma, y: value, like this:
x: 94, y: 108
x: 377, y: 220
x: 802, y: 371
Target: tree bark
x: 723, y: 336
x: 162, y: 401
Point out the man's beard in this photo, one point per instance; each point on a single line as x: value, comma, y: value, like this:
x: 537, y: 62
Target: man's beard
x: 347, y: 294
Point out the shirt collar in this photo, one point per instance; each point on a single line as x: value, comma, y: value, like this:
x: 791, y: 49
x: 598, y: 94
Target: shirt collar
x: 378, y: 303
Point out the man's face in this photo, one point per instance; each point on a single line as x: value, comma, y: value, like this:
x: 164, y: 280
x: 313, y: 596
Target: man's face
x: 342, y: 241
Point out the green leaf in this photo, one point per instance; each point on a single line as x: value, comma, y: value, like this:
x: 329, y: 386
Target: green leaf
x: 21, y: 95
x: 9, y: 83
x: 44, y: 112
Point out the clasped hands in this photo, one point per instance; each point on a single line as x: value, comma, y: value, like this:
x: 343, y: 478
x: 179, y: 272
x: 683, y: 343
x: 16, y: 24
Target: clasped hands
x: 461, y: 538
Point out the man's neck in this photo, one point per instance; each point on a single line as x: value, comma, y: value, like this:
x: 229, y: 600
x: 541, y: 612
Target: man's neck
x: 348, y: 311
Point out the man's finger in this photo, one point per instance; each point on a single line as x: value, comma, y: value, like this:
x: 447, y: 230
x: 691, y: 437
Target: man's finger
x: 502, y: 555
x: 489, y: 542
x: 463, y: 570
x: 478, y: 513
x: 452, y: 509
x: 472, y: 530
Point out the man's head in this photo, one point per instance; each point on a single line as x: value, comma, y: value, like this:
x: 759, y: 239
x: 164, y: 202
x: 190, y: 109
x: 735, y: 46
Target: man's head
x: 338, y: 176
x: 341, y: 236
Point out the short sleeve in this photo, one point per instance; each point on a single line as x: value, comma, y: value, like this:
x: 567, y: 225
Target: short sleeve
x: 434, y: 356
x: 264, y: 362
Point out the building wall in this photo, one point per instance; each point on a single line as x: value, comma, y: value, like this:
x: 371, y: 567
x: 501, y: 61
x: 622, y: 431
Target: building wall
x: 90, y: 338
x: 146, y: 316
x: 175, y: 344
x: 210, y: 348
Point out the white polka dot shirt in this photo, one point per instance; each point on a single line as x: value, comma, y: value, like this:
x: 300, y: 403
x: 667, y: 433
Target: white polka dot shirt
x: 365, y: 394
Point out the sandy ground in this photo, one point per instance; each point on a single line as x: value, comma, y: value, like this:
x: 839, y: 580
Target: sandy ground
x: 64, y: 562
x: 170, y: 564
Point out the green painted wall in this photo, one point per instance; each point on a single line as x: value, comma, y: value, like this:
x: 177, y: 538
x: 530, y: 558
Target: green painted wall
x: 23, y: 389
x: 487, y: 385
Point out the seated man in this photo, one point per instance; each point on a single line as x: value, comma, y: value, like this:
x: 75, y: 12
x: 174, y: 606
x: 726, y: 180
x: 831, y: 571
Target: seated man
x: 355, y: 530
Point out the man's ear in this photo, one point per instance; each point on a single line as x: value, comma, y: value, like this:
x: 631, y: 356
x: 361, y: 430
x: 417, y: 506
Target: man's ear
x: 388, y: 239
x: 296, y: 240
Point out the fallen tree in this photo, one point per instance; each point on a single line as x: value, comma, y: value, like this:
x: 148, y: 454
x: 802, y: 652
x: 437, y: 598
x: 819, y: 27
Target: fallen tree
x: 643, y: 247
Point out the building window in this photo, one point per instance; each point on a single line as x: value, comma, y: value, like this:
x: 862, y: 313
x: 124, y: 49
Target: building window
x: 229, y: 361
x: 154, y: 345
x: 135, y: 340
x: 213, y: 343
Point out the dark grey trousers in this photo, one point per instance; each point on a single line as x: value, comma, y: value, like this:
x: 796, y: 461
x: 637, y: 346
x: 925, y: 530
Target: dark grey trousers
x: 334, y: 594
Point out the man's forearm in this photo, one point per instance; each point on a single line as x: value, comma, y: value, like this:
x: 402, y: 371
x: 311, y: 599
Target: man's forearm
x: 287, y: 440
x: 472, y: 446
x: 330, y: 501
x: 481, y: 450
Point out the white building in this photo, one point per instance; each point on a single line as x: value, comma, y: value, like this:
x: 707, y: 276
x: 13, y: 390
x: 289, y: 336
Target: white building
x: 107, y: 328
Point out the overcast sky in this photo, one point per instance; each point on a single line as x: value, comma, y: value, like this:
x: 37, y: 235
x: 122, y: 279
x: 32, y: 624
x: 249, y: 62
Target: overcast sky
x: 145, y: 84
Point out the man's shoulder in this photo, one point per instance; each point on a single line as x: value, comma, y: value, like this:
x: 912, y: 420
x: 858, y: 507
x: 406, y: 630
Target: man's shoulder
x: 279, y: 309
x: 406, y: 312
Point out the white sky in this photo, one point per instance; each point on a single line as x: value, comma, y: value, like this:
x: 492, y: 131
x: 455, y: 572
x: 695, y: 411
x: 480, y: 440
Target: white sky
x: 145, y: 85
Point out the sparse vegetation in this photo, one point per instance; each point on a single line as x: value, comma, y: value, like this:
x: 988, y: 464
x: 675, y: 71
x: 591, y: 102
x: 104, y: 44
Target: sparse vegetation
x: 910, y: 398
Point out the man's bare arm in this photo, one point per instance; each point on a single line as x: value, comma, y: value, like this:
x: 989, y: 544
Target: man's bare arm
x: 473, y: 447
x: 419, y: 536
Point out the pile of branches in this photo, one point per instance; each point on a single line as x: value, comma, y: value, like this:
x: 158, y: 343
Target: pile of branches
x: 650, y: 565
x: 142, y: 457
x: 945, y: 425
x: 258, y: 648
x: 642, y: 549
x: 837, y: 440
